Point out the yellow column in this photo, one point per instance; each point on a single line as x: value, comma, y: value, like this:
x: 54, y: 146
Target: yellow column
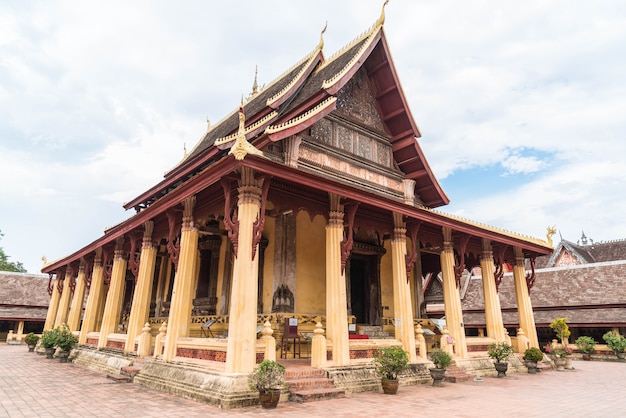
x: 180, y: 306
x: 53, y: 307
x: 241, y: 350
x: 452, y: 297
x: 493, y: 312
x: 20, y: 330
x: 91, y: 309
x: 64, y: 303
x: 336, y: 299
x: 113, y: 305
x: 140, y: 309
x: 524, y: 305
x: 403, y: 312
x: 73, y: 320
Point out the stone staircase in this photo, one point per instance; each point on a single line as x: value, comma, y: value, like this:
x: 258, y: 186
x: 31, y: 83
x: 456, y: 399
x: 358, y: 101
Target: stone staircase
x: 309, y: 384
x: 455, y: 374
x: 127, y: 373
x: 374, y: 331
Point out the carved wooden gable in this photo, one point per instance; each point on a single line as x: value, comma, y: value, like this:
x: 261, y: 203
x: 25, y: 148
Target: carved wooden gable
x: 356, y: 101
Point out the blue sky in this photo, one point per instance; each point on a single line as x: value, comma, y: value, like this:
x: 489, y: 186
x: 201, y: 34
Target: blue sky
x: 521, y: 106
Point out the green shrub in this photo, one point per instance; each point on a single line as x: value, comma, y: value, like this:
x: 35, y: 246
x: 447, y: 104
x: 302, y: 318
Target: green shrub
x: 31, y: 339
x: 269, y: 375
x: 66, y: 340
x: 49, y: 338
x: 390, y: 361
x: 441, y: 359
x: 500, y: 351
x: 615, y: 341
x: 586, y: 344
x: 533, y: 354
x: 560, y: 328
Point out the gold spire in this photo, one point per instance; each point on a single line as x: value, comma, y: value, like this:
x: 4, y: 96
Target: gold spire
x: 208, y: 124
x: 255, y: 85
x: 381, y: 19
x: 184, y: 150
x: 320, y: 46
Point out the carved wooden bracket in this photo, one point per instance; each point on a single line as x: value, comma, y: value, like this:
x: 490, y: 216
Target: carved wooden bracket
x: 231, y: 224
x: 88, y: 273
x: 50, y: 286
x: 72, y: 282
x: 134, y: 259
x: 346, y: 244
x: 107, y: 268
x: 60, y: 276
x: 259, y: 224
x: 460, y: 267
x: 498, y: 259
x: 530, y: 277
x: 173, y: 241
x: 410, y: 259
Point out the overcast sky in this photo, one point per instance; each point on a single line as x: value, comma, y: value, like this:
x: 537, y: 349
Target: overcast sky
x: 521, y: 105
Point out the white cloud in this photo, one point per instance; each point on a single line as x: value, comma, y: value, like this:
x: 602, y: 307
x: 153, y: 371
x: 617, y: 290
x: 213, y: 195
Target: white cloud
x: 97, y: 100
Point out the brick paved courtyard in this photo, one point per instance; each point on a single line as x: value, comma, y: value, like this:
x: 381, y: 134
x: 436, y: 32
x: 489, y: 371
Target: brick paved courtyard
x: 31, y: 386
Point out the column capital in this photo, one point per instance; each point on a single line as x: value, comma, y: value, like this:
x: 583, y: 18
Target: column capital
x: 189, y: 204
x: 487, y: 253
x: 519, y: 257
x: 447, y: 239
x: 250, y: 188
x: 148, y: 228
x: 119, y: 247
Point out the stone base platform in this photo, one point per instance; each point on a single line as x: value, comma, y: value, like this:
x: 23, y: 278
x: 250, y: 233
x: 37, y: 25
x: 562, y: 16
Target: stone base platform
x: 216, y: 388
x: 105, y: 361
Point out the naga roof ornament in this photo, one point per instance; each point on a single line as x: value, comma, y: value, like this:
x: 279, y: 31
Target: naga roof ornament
x: 242, y: 147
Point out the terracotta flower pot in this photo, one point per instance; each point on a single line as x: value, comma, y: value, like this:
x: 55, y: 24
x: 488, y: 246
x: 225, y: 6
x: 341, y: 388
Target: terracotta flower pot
x: 390, y: 387
x: 269, y: 398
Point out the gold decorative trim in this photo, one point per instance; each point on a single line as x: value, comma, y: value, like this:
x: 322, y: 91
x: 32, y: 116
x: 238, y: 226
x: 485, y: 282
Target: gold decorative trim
x: 489, y: 227
x: 250, y: 128
x: 301, y: 118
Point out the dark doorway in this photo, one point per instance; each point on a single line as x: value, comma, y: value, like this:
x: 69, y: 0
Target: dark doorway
x: 364, y: 289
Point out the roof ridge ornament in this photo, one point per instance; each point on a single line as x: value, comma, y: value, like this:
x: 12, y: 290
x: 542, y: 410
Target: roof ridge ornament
x: 242, y: 147
x: 381, y: 19
x: 320, y: 46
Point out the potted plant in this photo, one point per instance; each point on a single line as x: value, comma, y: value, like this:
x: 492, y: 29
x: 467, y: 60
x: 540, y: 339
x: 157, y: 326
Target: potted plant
x: 587, y: 345
x: 49, y: 341
x: 66, y: 340
x: 31, y: 341
x: 499, y: 352
x: 560, y: 328
x: 389, y: 362
x: 442, y: 360
x: 268, y: 378
x: 532, y: 356
x: 616, y: 343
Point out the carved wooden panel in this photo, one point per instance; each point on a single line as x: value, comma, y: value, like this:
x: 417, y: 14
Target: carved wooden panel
x: 356, y: 101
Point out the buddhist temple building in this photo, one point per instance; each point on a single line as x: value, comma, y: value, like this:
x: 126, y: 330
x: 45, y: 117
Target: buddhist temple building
x: 300, y: 225
x: 23, y: 304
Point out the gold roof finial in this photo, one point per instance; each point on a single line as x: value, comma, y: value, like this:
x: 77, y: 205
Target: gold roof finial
x: 208, y: 124
x: 242, y: 147
x: 255, y: 85
x: 381, y: 19
x: 320, y: 46
x: 184, y: 149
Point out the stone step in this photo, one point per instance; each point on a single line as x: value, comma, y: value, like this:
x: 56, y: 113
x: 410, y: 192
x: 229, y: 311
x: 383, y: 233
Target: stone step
x: 119, y: 378
x: 304, y: 373
x: 310, y: 383
x: 457, y: 374
x: 317, y: 394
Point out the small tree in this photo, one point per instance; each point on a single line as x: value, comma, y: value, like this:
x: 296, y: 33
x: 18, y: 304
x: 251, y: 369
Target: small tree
x: 6, y: 265
x: 560, y: 328
x: 615, y: 341
x: 390, y: 361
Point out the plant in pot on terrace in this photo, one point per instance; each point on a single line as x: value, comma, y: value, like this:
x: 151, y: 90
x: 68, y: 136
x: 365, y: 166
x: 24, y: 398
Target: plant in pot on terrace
x: 587, y: 345
x: 616, y: 343
x: 389, y: 362
x: 49, y: 341
x: 499, y: 353
x: 442, y: 360
x: 560, y: 328
x: 66, y: 341
x: 269, y: 379
x: 31, y: 341
x: 532, y: 356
